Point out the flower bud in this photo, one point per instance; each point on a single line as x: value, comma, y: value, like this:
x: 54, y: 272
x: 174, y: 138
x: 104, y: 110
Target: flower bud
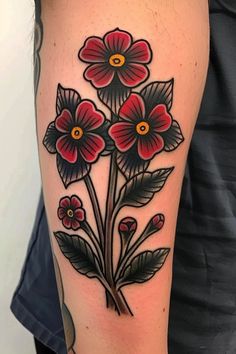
x: 155, y: 224
x: 127, y: 228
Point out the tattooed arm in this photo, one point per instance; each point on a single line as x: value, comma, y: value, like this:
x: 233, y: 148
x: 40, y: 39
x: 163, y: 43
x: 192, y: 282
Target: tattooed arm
x: 118, y: 95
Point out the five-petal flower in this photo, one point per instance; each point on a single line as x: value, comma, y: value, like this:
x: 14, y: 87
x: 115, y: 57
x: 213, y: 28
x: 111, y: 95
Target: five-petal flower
x: 70, y: 212
x: 78, y: 133
x: 140, y: 132
x: 116, y: 56
x: 77, y: 136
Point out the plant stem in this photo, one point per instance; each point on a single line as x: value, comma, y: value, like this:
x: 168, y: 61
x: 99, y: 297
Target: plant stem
x: 110, y: 220
x: 96, y: 208
x: 117, y: 297
x: 87, y: 228
x: 130, y: 252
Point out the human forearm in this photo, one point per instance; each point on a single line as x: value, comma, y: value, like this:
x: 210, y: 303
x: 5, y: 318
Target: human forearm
x: 139, y: 161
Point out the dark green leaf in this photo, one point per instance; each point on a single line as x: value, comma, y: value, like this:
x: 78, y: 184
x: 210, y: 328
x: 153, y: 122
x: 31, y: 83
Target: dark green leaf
x: 158, y: 92
x: 143, y: 267
x: 103, y: 131
x: 130, y: 163
x: 114, y: 95
x: 66, y: 99
x: 72, y: 172
x: 173, y: 137
x: 140, y: 189
x: 79, y: 253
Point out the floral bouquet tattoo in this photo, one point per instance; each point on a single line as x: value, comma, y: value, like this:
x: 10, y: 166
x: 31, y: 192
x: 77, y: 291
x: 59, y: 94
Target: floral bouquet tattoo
x: 140, y: 127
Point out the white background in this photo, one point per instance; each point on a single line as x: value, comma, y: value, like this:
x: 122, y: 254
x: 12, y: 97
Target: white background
x: 19, y: 172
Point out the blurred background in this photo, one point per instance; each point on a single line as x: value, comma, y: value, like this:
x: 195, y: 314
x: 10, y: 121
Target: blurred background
x: 20, y: 177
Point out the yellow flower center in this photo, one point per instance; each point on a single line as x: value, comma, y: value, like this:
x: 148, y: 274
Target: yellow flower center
x: 117, y: 60
x: 77, y: 133
x: 70, y: 213
x: 142, y: 128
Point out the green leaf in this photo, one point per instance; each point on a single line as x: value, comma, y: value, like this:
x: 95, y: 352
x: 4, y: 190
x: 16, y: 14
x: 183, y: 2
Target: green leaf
x: 173, y: 137
x: 140, y: 189
x: 158, y: 92
x: 79, y: 253
x: 143, y: 267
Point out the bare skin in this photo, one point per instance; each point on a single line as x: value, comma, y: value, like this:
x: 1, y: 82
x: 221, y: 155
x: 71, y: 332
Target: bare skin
x: 177, y: 33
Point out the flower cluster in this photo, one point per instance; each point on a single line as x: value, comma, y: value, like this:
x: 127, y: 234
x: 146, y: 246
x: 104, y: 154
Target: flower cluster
x: 143, y: 126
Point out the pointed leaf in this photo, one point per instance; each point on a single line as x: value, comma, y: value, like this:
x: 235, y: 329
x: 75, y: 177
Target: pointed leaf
x: 173, y: 137
x: 158, y: 92
x: 140, y: 189
x: 71, y: 173
x: 50, y: 138
x: 79, y: 253
x: 143, y: 267
x: 66, y: 98
x: 130, y: 163
x: 114, y: 95
x: 103, y: 131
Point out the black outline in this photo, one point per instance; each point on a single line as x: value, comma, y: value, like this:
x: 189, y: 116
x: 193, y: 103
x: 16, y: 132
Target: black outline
x: 72, y: 106
x: 101, y: 91
x: 138, y: 190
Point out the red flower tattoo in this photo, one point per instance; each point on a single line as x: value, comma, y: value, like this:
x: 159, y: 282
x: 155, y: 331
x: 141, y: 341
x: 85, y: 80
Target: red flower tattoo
x: 116, y: 55
x: 70, y: 212
x: 140, y: 130
x: 77, y: 136
x: 78, y: 133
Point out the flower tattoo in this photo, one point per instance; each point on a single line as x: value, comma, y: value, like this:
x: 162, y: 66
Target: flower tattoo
x: 139, y: 129
x: 78, y: 133
x: 116, y: 56
x: 136, y: 128
x: 70, y: 212
x: 75, y: 135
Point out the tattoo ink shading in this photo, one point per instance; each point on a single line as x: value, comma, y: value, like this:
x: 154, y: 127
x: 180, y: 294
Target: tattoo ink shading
x: 139, y: 128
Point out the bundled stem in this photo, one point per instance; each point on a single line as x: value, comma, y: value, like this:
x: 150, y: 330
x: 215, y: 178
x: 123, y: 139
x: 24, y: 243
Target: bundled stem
x: 96, y: 208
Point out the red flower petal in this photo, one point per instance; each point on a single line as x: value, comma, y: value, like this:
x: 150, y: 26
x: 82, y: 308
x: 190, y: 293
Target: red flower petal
x: 133, y: 109
x: 133, y: 74
x: 64, y: 202
x: 101, y: 75
x: 149, y: 146
x: 75, y: 224
x: 161, y: 119
x: 61, y: 213
x: 67, y: 149
x: 63, y: 121
x: 87, y: 116
x: 93, y: 51
x: 91, y: 147
x: 123, y: 134
x: 118, y: 41
x: 79, y: 214
x: 75, y: 202
x: 139, y: 52
x: 66, y: 221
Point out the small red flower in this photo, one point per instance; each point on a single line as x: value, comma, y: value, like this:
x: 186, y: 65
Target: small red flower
x: 71, y: 213
x: 116, y: 55
x: 78, y: 138
x: 138, y: 130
